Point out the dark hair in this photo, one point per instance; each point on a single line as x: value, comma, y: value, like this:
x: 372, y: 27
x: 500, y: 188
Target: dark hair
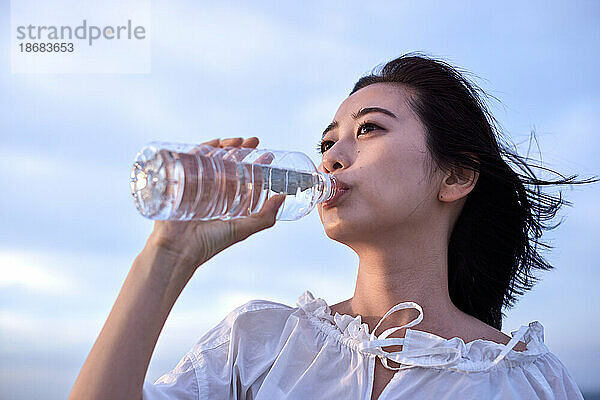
x: 492, y: 252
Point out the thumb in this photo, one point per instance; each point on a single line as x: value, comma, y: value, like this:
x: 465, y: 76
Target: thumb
x: 264, y: 219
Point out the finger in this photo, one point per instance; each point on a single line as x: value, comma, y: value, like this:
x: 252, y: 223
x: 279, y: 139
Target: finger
x: 213, y: 143
x: 231, y: 142
x: 265, y: 158
x: 264, y: 219
x: 199, y: 149
x: 251, y: 142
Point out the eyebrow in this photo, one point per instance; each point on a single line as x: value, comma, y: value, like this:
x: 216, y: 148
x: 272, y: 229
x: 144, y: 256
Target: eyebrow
x: 362, y: 112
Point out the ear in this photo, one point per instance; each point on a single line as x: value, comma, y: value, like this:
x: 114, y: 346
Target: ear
x: 457, y: 183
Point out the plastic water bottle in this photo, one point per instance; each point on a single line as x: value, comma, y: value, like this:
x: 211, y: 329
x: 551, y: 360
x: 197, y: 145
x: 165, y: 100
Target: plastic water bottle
x: 177, y: 181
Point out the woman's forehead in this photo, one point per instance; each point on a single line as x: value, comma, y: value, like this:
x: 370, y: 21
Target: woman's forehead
x: 391, y: 97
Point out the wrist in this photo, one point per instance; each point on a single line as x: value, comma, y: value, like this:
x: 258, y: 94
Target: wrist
x: 166, y: 263
x: 171, y: 250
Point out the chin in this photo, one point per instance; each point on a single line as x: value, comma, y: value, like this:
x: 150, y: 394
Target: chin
x: 341, y: 229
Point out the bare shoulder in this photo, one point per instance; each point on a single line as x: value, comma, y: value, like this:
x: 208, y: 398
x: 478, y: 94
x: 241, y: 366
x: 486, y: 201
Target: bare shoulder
x: 476, y: 329
x: 341, y: 308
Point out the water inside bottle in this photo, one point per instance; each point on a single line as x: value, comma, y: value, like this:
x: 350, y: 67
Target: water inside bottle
x: 184, y: 186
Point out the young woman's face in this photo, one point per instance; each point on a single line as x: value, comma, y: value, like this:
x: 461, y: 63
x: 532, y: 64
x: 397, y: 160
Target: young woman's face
x: 381, y: 155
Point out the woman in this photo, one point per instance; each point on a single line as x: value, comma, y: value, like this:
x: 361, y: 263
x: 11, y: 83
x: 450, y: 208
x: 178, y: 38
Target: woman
x: 443, y: 228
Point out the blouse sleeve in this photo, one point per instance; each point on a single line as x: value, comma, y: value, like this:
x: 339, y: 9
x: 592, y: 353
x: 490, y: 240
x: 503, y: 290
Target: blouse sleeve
x: 224, y: 363
x: 180, y: 383
x: 553, y: 381
x: 197, y: 376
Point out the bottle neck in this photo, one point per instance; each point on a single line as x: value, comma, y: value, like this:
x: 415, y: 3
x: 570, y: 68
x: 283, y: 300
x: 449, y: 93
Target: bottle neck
x: 327, y: 187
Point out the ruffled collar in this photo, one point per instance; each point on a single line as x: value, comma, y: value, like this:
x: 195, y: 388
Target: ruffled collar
x: 423, y: 349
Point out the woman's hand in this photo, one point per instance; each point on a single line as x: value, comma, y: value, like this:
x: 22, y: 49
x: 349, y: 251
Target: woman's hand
x: 194, y: 242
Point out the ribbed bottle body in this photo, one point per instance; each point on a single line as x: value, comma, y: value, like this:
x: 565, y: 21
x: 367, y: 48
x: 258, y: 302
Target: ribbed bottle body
x: 174, y: 181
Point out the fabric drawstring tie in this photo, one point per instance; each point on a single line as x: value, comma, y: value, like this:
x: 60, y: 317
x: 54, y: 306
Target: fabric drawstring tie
x: 410, y: 358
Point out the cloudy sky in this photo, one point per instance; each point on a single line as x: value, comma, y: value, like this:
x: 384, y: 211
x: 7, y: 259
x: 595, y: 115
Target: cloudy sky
x: 70, y: 231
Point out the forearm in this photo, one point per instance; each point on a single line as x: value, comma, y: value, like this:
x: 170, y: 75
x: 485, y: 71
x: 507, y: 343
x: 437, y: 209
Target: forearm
x: 117, y: 364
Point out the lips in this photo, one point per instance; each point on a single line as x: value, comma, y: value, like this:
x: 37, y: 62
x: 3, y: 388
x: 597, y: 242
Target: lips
x: 342, y: 189
x: 341, y: 184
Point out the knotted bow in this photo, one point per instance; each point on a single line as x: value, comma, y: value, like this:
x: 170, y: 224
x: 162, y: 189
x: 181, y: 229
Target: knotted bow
x: 407, y: 358
x: 414, y: 358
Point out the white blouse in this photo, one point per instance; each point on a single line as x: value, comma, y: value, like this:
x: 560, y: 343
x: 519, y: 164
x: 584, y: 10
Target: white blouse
x: 265, y: 350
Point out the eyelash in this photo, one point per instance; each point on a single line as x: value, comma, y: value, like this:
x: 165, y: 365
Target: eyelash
x: 321, y: 143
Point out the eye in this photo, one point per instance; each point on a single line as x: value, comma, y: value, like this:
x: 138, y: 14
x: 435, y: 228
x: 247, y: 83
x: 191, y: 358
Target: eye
x: 323, y: 146
x: 366, y: 128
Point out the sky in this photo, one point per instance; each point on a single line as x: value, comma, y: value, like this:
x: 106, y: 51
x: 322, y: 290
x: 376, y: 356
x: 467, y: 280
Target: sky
x: 70, y: 230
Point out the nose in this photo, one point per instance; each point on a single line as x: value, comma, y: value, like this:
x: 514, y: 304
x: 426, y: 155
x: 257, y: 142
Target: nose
x: 333, y: 161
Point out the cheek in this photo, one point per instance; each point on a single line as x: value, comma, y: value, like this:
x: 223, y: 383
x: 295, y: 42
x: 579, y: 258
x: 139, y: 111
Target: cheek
x: 399, y: 181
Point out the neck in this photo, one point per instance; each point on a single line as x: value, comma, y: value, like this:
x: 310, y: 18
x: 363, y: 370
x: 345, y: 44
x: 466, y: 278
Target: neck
x: 394, y: 271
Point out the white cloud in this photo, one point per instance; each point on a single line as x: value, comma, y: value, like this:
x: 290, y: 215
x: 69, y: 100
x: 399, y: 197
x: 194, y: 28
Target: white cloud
x: 62, y: 185
x: 30, y: 271
x: 28, y: 331
x: 236, y: 40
